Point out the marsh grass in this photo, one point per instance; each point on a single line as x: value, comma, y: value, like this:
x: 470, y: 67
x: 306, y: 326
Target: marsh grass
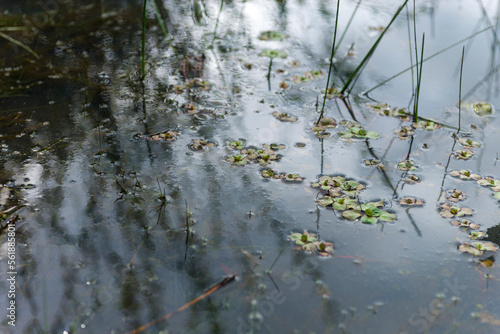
x: 216, y: 24
x: 350, y: 82
x: 331, y: 61
x: 160, y: 19
x: 143, y: 50
x: 419, y: 78
x: 460, y: 90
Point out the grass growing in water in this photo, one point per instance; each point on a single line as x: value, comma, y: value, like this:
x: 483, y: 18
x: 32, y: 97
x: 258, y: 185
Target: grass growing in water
x: 367, y: 57
x: 331, y: 61
x: 460, y: 90
x: 143, y: 50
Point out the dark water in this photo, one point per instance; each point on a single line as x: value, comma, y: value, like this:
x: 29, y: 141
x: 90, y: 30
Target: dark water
x: 115, y: 229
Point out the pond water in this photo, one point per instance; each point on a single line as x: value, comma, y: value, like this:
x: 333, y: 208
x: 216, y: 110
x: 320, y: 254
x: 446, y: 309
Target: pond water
x: 136, y: 210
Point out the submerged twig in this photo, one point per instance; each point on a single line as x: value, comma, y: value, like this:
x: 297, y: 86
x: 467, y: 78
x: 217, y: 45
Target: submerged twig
x: 221, y: 284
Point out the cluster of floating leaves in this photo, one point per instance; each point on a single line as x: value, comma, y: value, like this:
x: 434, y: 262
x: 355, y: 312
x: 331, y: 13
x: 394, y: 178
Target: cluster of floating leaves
x: 273, y: 53
x: 426, y: 125
x: 410, y: 201
x: 309, y: 243
x: 477, y: 248
x: 355, y: 130
x: 199, y: 145
x: 272, y: 36
x: 341, y: 195
x: 455, y: 195
x: 168, y: 135
x: 373, y: 163
x: 406, y: 165
x: 322, y: 125
x: 404, y: 132
x: 490, y: 182
x: 411, y: 179
x: 332, y: 92
x: 308, y: 76
x: 285, y: 177
x: 384, y: 109
x: 465, y: 174
x: 263, y: 155
x: 195, y: 83
x: 449, y: 211
x: 284, y: 117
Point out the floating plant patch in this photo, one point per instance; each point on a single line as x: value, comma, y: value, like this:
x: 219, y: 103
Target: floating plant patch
x: 199, y: 145
x: 237, y: 144
x: 411, y: 179
x: 369, y: 213
x: 308, y: 76
x: 285, y: 177
x: 284, y: 117
x: 274, y: 146
x: 465, y: 175
x: 455, y: 195
x: 404, y: 132
x: 160, y: 136
x: 463, y: 154
x: 332, y: 92
x: 410, y: 201
x: 468, y: 143
x: 309, y: 243
x: 449, y: 211
x: 478, y: 248
x: 406, y: 165
x: 481, y: 108
x: 335, y: 186
x: 273, y: 53
x: 272, y: 36
x: 373, y: 163
x: 490, y: 182
x: 426, y: 125
x: 354, y: 130
x: 323, y: 124
x: 262, y: 156
x: 475, y: 235
x: 384, y: 109
x: 237, y: 159
x: 466, y: 224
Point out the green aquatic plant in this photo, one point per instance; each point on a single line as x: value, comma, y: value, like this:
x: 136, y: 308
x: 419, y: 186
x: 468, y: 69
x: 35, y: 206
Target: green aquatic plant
x: 455, y: 195
x: 369, y: 213
x: 367, y: 57
x: 237, y: 159
x: 475, y: 235
x: 465, y: 175
x: 406, y: 165
x: 411, y: 201
x: 199, y: 145
x: 272, y: 54
x: 308, y: 242
x: 166, y: 135
x: 237, y: 144
x: 373, y: 163
x: 411, y: 179
x: 338, y: 185
x: 272, y: 36
x: 466, y: 224
x: 354, y: 130
x: 426, y: 125
x: 463, y: 154
x: 468, y: 143
x: 449, y: 211
x: 284, y: 117
x: 404, y: 132
x: 477, y: 248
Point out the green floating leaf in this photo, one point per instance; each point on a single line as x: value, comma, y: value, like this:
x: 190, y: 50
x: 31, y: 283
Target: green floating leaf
x: 351, y: 214
x: 387, y: 216
x: 273, y: 53
x: 406, y: 165
x: 369, y: 220
x: 325, y: 201
x: 465, y: 175
x: 463, y: 154
x: 272, y: 36
x: 449, y: 211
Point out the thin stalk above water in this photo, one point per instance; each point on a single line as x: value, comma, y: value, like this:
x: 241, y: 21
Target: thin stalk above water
x: 331, y: 62
x: 143, y: 51
x: 460, y: 90
x: 367, y: 57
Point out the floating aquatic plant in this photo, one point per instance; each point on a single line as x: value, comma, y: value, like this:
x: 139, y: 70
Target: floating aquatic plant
x: 284, y: 117
x: 355, y: 130
x: 338, y: 185
x: 309, y: 243
x: 465, y: 175
x: 269, y: 173
x: 404, y: 132
x: 274, y: 146
x: 407, y: 165
x: 474, y: 235
x: 332, y: 93
x: 369, y: 213
x: 273, y: 53
x: 411, y: 179
x: 384, y: 109
x: 200, y: 144
x: 237, y: 144
x: 426, y: 125
x: 455, y: 195
x: 449, y: 211
x: 468, y: 143
x: 286, y: 177
x: 477, y: 248
x: 373, y: 163
x: 262, y: 156
x: 308, y: 76
x: 272, y: 36
x: 490, y: 182
x: 237, y: 159
x: 166, y: 135
x: 465, y: 223
x: 463, y: 154
x: 410, y: 201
